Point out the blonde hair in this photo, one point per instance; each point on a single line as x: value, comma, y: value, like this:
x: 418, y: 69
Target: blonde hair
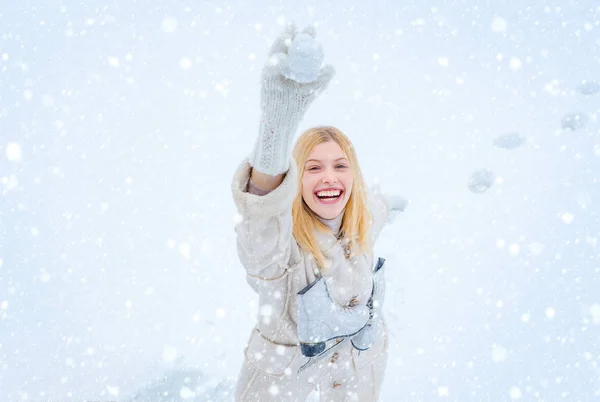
x: 356, y: 218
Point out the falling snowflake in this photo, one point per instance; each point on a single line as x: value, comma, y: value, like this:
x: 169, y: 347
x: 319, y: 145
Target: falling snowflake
x: 514, y: 392
x: 499, y: 354
x: 499, y: 25
x: 169, y: 25
x: 13, y: 152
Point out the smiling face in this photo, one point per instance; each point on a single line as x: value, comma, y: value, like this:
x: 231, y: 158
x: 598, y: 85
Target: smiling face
x: 327, y: 180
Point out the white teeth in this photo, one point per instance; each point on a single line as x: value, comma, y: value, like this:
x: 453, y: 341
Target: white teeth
x: 333, y: 193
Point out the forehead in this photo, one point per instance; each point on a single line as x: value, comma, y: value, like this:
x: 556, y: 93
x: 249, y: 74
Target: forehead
x: 329, y: 150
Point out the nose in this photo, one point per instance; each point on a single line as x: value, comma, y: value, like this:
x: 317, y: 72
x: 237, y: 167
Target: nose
x: 329, y: 177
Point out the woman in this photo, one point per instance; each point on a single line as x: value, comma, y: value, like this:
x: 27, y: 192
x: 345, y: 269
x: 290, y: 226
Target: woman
x: 305, y: 240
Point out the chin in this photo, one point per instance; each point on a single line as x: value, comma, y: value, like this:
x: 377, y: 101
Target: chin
x: 326, y: 213
x: 329, y: 214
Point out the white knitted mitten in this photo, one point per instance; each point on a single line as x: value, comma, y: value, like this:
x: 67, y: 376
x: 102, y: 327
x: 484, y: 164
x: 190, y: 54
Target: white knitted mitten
x: 283, y: 105
x: 397, y: 204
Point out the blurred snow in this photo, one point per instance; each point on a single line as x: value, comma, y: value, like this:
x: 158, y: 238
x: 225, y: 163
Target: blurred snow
x: 120, y: 129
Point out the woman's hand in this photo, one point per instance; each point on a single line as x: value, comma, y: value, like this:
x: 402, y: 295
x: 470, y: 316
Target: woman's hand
x: 283, y: 103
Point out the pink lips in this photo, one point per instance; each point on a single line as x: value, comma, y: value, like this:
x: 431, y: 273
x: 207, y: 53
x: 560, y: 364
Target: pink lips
x: 332, y: 201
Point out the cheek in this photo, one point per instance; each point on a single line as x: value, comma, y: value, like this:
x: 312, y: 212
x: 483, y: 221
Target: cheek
x: 348, y: 181
x: 306, y: 188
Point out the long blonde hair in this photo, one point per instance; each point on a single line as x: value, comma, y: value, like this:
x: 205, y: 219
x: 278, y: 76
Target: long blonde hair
x: 356, y: 219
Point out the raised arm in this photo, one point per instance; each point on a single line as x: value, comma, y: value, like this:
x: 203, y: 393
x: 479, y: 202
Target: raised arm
x: 265, y: 184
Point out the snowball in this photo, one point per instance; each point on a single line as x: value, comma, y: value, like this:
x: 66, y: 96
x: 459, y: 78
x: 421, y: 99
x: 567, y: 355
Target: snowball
x: 509, y: 141
x: 305, y: 56
x: 481, y: 181
x: 588, y: 88
x: 550, y: 313
x: 574, y: 121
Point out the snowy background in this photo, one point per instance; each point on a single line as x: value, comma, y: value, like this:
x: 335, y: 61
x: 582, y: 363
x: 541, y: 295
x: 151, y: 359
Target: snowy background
x: 121, y: 124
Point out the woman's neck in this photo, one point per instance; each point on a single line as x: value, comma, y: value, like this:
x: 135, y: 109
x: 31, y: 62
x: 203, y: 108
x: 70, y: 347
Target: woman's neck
x: 334, y: 224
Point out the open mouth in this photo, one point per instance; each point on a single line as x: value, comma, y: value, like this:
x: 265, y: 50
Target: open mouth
x: 329, y: 197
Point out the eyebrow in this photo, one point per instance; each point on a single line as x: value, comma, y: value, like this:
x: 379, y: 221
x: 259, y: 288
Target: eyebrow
x: 316, y: 160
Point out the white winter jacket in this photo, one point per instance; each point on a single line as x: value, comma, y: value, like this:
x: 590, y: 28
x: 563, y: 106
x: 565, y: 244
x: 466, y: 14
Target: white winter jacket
x: 277, y: 269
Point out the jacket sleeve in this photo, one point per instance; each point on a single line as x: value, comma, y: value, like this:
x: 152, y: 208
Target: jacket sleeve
x: 380, y: 212
x: 264, y: 228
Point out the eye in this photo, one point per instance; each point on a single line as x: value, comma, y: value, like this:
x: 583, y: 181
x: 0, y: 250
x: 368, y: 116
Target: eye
x: 313, y: 168
x: 341, y: 166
